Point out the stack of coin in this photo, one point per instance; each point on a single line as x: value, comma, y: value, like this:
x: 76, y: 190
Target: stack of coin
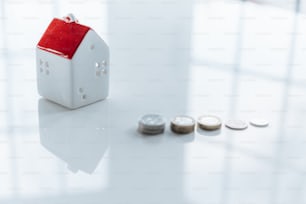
x: 209, y: 122
x: 236, y: 124
x: 182, y: 124
x: 151, y: 124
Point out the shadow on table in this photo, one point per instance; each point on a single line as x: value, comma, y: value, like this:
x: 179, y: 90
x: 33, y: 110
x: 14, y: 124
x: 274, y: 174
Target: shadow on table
x: 209, y: 133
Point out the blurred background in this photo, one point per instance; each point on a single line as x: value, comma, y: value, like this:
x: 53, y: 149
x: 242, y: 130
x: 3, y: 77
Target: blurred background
x: 234, y: 59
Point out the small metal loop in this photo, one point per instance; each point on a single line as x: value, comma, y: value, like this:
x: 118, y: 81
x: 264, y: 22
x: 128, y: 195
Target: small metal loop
x: 70, y: 18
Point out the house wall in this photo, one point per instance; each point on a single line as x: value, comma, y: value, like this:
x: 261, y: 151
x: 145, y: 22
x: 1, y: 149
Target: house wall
x: 90, y: 83
x: 54, y: 77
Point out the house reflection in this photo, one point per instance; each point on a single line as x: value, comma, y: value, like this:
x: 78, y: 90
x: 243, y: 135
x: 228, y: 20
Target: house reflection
x: 77, y: 137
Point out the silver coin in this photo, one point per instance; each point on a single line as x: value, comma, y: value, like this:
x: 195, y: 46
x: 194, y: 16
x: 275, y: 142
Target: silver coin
x: 142, y: 127
x: 236, y: 124
x: 259, y: 122
x: 152, y: 119
x: 182, y: 124
x: 151, y: 132
x: 151, y: 124
x: 209, y: 122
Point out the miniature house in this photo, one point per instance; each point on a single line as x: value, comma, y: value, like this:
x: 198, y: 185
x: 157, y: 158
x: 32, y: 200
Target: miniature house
x: 72, y: 64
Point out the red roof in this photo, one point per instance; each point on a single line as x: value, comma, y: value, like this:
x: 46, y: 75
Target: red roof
x: 63, y: 38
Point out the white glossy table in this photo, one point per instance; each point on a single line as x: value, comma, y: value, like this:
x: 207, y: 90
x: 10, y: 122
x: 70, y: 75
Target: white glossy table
x: 235, y: 60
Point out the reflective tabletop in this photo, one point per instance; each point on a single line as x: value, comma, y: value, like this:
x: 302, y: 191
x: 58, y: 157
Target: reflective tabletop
x: 235, y: 60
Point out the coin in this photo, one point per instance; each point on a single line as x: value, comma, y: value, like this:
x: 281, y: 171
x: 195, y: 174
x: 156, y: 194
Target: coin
x: 209, y: 122
x: 151, y: 124
x: 259, y: 122
x: 236, y: 124
x: 151, y: 132
x: 182, y: 124
x: 152, y: 121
